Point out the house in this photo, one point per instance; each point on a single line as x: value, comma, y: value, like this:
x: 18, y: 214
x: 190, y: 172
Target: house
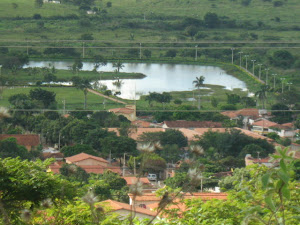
x: 124, y: 210
x: 190, y: 124
x: 151, y: 199
x: 133, y: 180
x: 91, y: 12
x: 30, y: 141
x: 264, y: 127
x: 90, y: 163
x: 52, y: 1
x: 249, y: 160
x: 129, y: 111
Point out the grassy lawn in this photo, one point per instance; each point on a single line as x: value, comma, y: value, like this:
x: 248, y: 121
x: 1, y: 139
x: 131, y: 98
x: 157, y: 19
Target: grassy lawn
x: 73, y: 97
x: 24, y: 76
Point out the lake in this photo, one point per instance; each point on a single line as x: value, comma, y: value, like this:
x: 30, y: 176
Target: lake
x: 160, y: 77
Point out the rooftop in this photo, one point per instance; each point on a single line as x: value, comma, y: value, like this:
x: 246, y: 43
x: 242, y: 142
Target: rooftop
x: 115, y: 206
x: 134, y: 180
x: 192, y: 124
x: 23, y: 139
x: 83, y: 156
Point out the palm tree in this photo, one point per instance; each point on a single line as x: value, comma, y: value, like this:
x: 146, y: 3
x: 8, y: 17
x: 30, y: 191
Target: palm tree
x: 262, y: 94
x: 82, y: 84
x: 118, y: 65
x: 199, y: 83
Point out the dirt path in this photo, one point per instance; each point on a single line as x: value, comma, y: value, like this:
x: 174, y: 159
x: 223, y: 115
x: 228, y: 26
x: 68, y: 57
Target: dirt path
x: 107, y: 97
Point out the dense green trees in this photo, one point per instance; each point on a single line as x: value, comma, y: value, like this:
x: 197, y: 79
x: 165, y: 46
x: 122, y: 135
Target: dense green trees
x: 10, y: 148
x: 24, y: 185
x: 218, y: 145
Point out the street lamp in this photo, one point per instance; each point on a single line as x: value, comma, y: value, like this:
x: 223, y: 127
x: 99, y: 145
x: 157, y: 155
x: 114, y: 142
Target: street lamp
x: 274, y: 81
x: 232, y: 49
x: 240, y: 58
x: 196, y: 52
x: 246, y: 56
x: 267, y: 73
x: 253, y: 60
x: 259, y: 73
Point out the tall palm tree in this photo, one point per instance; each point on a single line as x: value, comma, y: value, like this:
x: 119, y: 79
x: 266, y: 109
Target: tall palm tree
x: 82, y: 84
x: 262, y: 94
x: 119, y: 65
x: 199, y: 83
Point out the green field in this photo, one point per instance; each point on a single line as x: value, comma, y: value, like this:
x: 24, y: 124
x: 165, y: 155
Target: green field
x: 73, y: 97
x: 147, y: 20
x: 24, y: 76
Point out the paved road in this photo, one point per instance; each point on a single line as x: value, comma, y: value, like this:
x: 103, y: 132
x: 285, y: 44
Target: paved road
x: 107, y: 97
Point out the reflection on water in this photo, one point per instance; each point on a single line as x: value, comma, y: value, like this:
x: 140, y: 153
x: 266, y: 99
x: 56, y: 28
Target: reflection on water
x: 160, y: 77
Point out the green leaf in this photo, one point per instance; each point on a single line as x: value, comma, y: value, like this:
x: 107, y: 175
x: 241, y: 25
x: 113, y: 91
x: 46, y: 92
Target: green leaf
x: 270, y: 203
x: 283, y: 176
x: 286, y: 192
x: 265, y: 180
x: 283, y: 166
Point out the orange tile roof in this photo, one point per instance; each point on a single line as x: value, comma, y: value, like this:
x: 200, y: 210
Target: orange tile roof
x: 115, y: 206
x: 23, y: 139
x: 264, y: 123
x: 251, y: 112
x: 191, y: 124
x: 47, y: 155
x: 137, y: 132
x: 83, y: 156
x: 97, y: 169
x: 133, y: 180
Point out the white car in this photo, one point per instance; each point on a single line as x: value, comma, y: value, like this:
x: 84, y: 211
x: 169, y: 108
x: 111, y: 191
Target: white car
x: 152, y: 177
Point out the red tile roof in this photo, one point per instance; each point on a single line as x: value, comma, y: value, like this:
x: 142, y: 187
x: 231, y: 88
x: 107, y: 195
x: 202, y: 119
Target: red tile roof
x: 97, y: 169
x: 192, y: 124
x: 264, y: 123
x: 251, y: 112
x: 133, y: 180
x: 23, y: 139
x: 83, y: 156
x: 115, y: 206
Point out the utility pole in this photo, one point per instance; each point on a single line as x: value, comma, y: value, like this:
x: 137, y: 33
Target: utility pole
x: 289, y: 85
x: 274, y: 81
x: 134, y: 166
x: 240, y: 58
x: 259, y: 73
x: 282, y: 79
x: 27, y: 49
x: 196, y: 52
x: 64, y: 102
x: 253, y: 67
x: 124, y: 165
x: 267, y: 73
x: 83, y: 52
x: 140, y: 50
x: 246, y: 56
x: 232, y: 49
x: 59, y: 141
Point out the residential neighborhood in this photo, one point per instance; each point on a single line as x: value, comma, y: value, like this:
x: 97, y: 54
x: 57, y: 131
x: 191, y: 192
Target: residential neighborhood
x: 149, y: 112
